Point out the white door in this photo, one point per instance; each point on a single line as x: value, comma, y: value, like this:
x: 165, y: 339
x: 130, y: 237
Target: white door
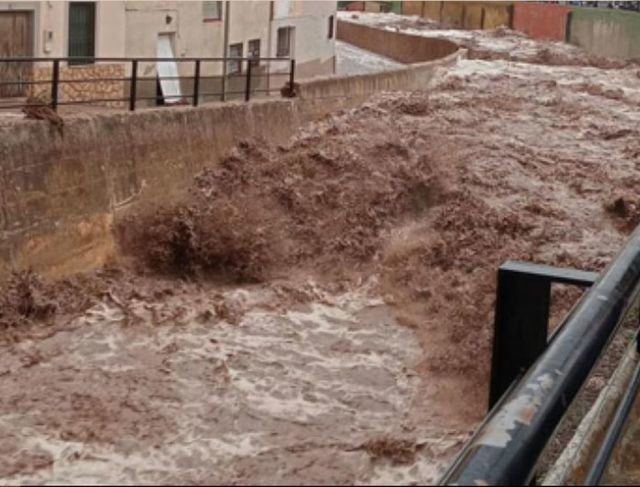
x: 170, y: 87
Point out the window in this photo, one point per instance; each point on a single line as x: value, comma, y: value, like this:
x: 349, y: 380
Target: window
x: 82, y: 31
x: 331, y: 23
x: 284, y: 41
x: 212, y: 10
x: 235, y: 66
x: 253, y: 52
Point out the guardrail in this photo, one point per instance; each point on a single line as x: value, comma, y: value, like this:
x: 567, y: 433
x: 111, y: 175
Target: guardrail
x: 506, y: 447
x: 251, y: 75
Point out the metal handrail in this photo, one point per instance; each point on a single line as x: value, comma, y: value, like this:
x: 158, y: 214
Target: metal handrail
x: 506, y: 447
x: 134, y: 77
x: 603, y: 456
x: 142, y: 59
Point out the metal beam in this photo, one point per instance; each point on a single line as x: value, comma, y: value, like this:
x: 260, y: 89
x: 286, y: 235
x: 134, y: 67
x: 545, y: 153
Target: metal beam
x: 560, y: 275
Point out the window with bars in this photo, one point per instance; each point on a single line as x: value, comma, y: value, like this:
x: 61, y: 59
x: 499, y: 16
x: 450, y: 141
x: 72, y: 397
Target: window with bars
x: 82, y: 31
x: 253, y: 52
x: 212, y: 10
x: 285, y: 35
x: 235, y: 66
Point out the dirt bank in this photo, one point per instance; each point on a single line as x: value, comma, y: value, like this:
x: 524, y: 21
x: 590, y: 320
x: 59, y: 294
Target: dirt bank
x: 321, y: 311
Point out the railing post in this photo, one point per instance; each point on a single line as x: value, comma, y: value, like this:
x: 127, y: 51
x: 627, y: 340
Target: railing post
x: 522, y: 316
x: 638, y: 335
x: 292, y: 74
x: 196, y: 83
x: 223, y: 93
x: 247, y: 89
x: 520, y: 328
x: 134, y: 85
x: 55, y: 79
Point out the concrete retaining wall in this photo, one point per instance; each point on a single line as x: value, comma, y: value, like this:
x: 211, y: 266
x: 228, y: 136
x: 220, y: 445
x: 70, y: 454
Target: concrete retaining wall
x: 604, y: 32
x: 400, y: 47
x: 59, y: 195
x: 322, y: 96
x: 541, y: 21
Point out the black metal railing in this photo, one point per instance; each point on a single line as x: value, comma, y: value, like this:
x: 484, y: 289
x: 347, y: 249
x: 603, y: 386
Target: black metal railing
x: 18, y: 80
x: 615, y: 430
x: 531, y: 398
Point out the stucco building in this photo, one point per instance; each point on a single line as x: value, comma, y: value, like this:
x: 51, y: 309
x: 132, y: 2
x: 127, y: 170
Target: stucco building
x: 303, y: 30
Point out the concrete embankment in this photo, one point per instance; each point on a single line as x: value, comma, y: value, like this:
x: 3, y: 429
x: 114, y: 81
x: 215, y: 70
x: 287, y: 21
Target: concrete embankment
x: 59, y: 194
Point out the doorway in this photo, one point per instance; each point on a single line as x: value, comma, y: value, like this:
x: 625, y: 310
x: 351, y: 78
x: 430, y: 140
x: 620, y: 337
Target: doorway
x: 16, y: 40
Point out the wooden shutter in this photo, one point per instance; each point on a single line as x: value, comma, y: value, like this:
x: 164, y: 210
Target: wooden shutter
x: 16, y: 40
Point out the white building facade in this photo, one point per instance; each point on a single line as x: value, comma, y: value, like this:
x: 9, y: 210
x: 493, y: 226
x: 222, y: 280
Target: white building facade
x: 303, y: 30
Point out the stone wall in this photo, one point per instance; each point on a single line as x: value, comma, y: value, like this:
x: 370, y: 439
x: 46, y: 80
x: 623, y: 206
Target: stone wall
x: 104, y: 86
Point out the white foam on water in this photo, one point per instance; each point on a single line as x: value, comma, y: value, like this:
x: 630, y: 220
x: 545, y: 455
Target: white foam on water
x: 260, y: 393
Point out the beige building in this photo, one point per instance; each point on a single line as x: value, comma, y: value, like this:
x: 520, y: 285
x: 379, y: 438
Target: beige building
x: 302, y: 30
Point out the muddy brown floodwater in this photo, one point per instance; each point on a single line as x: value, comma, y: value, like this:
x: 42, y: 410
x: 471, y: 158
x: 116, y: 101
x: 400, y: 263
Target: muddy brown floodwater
x: 320, y: 312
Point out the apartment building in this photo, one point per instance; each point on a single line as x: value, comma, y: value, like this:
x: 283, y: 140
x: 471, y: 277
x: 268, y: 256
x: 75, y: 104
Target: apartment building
x: 303, y: 30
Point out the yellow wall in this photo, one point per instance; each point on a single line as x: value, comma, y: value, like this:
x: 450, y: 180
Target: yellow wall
x: 412, y: 8
x: 497, y: 14
x: 468, y: 15
x: 452, y: 14
x: 472, y: 16
x: 432, y: 10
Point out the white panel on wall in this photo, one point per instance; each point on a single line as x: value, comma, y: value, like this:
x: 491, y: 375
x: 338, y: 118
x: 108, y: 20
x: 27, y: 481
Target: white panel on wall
x: 170, y: 87
x: 282, y: 9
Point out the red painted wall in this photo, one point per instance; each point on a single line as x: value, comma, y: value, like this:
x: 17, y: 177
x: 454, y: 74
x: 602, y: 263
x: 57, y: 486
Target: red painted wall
x: 541, y: 21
